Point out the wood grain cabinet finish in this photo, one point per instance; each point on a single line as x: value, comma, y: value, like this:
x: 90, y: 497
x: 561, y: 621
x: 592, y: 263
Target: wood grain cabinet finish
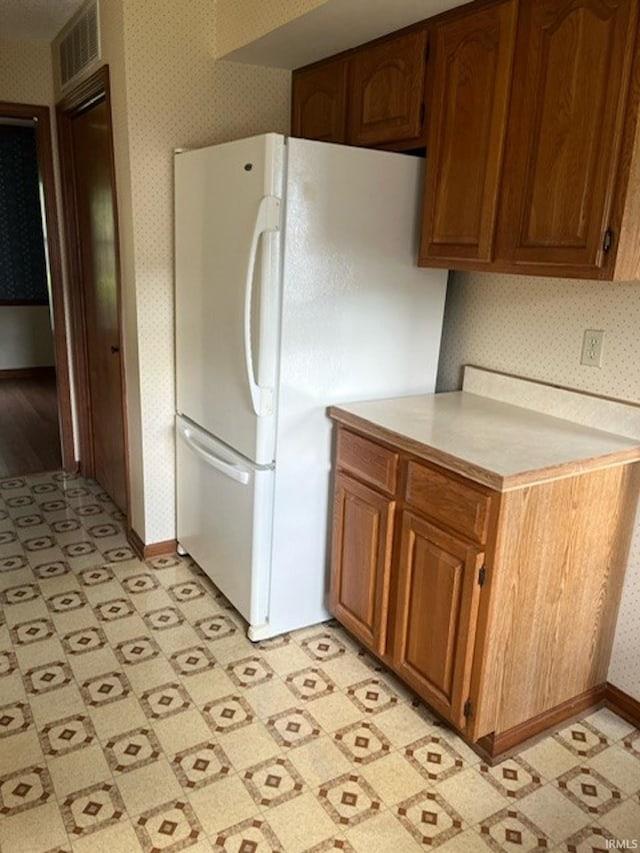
x: 570, y: 86
x: 387, y: 90
x: 436, y: 613
x: 470, y: 71
x: 449, y: 500
x: 540, y: 177
x: 361, y: 560
x: 497, y: 608
x: 319, y: 99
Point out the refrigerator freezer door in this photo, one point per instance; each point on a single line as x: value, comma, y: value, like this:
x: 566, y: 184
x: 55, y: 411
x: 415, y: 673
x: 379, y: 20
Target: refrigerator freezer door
x: 225, y: 514
x: 359, y: 321
x: 227, y: 290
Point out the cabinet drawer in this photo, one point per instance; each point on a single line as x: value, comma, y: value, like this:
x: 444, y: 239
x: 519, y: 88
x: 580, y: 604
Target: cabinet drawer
x: 367, y: 460
x: 458, y: 505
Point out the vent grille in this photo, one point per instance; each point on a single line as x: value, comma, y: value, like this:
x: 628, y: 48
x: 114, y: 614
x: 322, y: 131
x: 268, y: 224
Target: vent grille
x: 80, y: 46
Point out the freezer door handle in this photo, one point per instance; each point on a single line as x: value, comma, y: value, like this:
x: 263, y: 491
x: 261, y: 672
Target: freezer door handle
x: 267, y: 219
x: 235, y: 472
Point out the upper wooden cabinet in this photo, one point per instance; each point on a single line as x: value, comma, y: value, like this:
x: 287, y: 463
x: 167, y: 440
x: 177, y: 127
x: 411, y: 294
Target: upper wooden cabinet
x: 387, y: 90
x: 532, y: 130
x: 471, y: 57
x: 370, y: 96
x: 319, y: 99
x: 570, y: 85
x: 539, y: 176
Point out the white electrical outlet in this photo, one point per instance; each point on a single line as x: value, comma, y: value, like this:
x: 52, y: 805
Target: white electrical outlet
x: 592, y: 347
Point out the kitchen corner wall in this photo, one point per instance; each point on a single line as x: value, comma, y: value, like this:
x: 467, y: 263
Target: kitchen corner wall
x: 168, y: 91
x: 533, y: 327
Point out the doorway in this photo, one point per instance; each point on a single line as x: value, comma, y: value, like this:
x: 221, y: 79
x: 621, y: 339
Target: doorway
x: 88, y: 177
x: 35, y: 407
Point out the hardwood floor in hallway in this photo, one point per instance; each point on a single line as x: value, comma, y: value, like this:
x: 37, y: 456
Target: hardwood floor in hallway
x: 29, y: 431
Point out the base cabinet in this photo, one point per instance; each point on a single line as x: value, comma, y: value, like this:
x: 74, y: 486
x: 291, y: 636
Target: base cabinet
x: 436, y: 614
x: 363, y: 530
x: 497, y: 608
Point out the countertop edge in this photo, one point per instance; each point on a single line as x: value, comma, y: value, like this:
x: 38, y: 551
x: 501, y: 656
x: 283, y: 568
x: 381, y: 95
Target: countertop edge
x: 474, y: 472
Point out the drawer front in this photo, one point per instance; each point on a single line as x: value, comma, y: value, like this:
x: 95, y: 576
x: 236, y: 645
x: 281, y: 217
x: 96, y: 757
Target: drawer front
x: 367, y: 460
x: 457, y: 505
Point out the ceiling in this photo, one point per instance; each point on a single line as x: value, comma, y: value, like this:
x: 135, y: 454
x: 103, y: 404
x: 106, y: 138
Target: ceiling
x: 335, y: 26
x: 35, y: 19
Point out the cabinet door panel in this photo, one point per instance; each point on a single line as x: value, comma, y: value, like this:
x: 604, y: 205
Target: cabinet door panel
x: 387, y: 87
x: 361, y: 557
x: 565, y: 130
x: 438, y: 596
x: 319, y: 99
x: 471, y: 58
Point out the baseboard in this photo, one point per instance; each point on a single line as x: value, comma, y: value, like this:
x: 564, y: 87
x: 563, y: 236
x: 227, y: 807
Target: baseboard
x: 623, y: 705
x: 148, y: 552
x: 495, y: 747
x: 47, y: 372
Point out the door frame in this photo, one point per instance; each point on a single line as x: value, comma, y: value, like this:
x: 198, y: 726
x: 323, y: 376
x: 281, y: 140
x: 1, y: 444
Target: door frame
x: 57, y: 300
x: 94, y: 88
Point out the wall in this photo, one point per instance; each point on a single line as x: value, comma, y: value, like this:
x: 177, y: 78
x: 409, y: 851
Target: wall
x: 25, y: 337
x: 25, y: 72
x: 167, y: 91
x: 533, y: 327
x: 239, y: 22
x: 177, y: 96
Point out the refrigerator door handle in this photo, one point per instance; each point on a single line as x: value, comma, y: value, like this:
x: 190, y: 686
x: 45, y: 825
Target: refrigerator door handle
x: 267, y: 219
x: 235, y: 472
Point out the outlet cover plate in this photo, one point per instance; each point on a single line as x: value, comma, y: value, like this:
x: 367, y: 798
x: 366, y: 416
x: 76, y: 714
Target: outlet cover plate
x: 592, y: 344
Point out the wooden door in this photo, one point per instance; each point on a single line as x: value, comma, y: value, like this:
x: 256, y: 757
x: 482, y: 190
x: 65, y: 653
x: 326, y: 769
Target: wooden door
x: 361, y: 560
x: 470, y: 61
x: 91, y: 160
x: 387, y: 90
x: 437, y: 607
x: 319, y: 102
x: 570, y: 84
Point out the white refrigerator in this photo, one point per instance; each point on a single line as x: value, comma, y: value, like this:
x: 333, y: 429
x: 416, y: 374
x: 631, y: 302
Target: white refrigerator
x: 296, y: 288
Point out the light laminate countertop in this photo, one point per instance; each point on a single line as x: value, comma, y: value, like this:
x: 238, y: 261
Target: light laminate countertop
x: 494, y: 443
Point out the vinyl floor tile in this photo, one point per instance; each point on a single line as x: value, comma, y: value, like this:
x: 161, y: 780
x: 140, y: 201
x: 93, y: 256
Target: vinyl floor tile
x: 300, y: 823
x: 148, y: 787
x: 135, y: 715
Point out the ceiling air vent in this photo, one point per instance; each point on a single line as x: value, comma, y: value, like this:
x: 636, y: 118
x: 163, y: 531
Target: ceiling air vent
x: 80, y: 44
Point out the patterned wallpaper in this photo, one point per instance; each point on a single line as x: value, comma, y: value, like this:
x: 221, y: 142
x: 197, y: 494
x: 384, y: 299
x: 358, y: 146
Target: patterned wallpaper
x: 239, y: 22
x: 167, y: 91
x: 23, y: 274
x: 533, y: 327
x: 25, y: 72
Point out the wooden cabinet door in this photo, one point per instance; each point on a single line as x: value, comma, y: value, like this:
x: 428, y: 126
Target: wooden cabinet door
x: 437, y: 607
x: 361, y: 559
x: 387, y: 90
x: 470, y: 61
x: 319, y: 102
x: 569, y: 92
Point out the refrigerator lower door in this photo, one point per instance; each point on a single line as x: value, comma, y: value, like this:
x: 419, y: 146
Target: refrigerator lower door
x: 225, y: 518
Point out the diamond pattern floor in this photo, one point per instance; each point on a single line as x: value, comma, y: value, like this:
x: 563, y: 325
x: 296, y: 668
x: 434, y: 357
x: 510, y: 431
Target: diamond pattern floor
x: 135, y: 715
